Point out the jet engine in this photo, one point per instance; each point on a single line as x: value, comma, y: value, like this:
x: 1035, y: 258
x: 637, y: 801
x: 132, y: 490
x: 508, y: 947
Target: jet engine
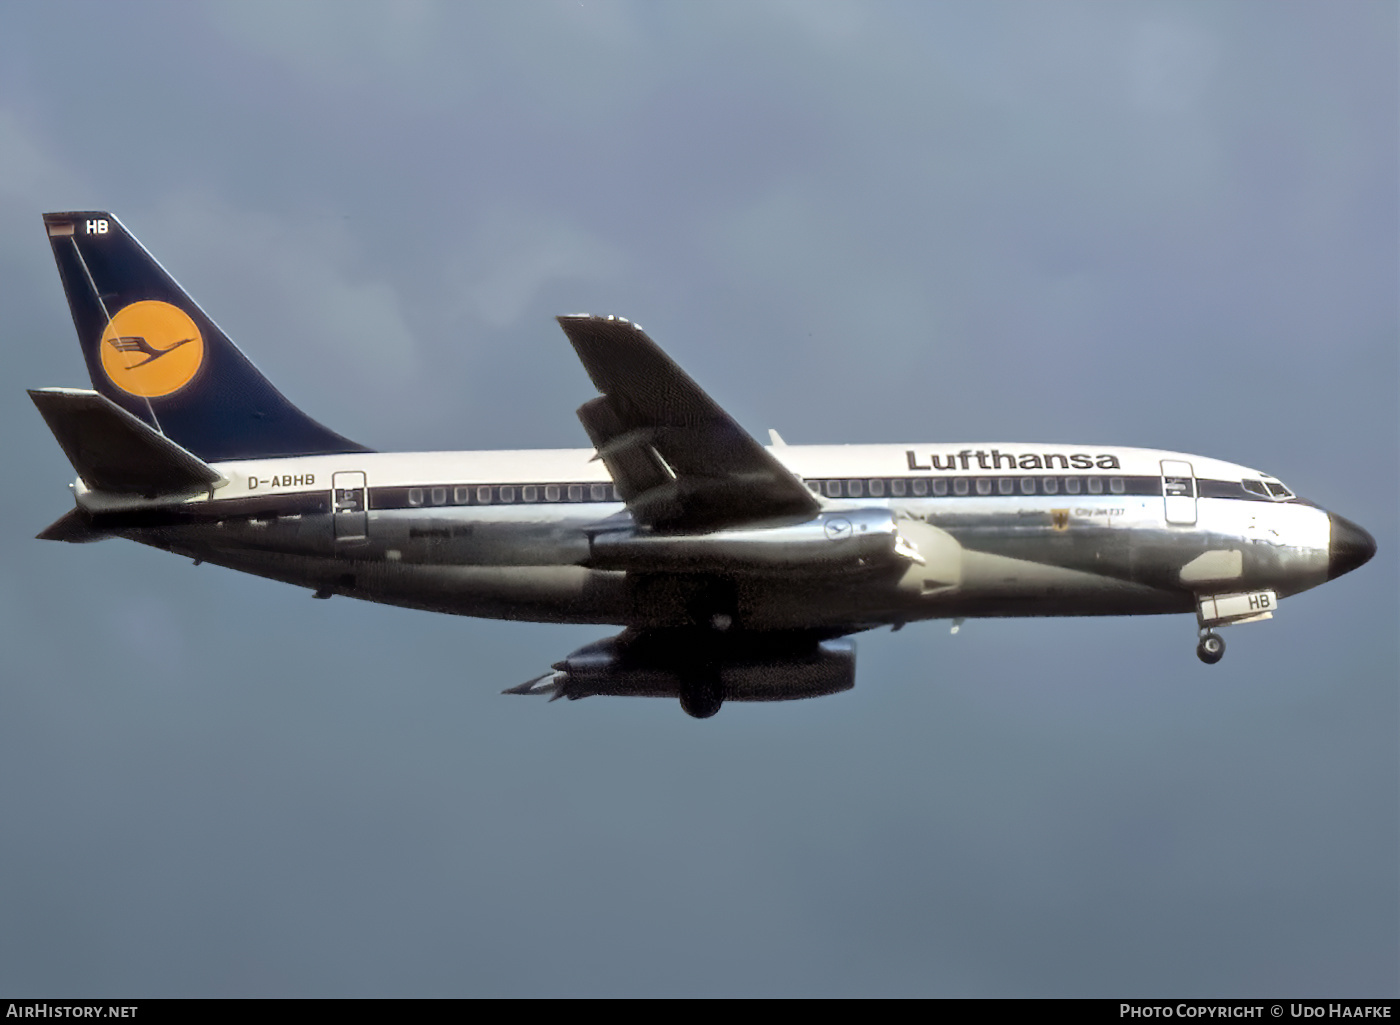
x: 701, y: 668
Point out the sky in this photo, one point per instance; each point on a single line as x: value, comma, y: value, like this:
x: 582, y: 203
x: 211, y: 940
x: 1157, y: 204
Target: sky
x: 1148, y: 223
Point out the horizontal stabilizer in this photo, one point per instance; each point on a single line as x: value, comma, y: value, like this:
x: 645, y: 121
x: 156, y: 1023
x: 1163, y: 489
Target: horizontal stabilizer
x: 114, y: 451
x: 72, y: 527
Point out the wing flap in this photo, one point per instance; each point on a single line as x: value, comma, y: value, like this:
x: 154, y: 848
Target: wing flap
x: 679, y: 461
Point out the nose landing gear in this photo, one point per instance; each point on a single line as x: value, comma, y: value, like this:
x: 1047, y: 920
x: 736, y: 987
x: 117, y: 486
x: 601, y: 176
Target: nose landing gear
x: 1211, y: 647
x: 1232, y: 609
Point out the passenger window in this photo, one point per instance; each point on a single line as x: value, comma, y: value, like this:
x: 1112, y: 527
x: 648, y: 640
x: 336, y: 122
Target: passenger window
x: 551, y: 492
x: 415, y: 496
x: 959, y: 486
x: 854, y: 489
x: 1005, y: 486
x: 815, y: 485
x: 530, y: 493
x: 507, y: 494
x: 1050, y: 484
x: 984, y: 485
x: 833, y: 489
x: 1027, y: 485
x: 877, y: 488
x: 897, y: 487
x: 940, y: 487
x: 483, y: 496
x: 439, y: 496
x: 1072, y: 485
x: 461, y: 496
x: 1095, y: 485
x: 598, y: 492
x: 575, y: 492
x: 1115, y: 485
x: 920, y: 486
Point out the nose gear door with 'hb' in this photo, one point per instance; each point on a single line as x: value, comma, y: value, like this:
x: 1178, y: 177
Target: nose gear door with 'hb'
x: 349, y: 508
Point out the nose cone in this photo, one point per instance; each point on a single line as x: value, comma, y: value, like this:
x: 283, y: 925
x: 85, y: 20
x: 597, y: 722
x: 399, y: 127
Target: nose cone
x: 1350, y: 547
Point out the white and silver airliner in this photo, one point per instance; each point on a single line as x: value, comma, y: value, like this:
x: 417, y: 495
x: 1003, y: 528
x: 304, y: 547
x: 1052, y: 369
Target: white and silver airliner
x: 737, y: 570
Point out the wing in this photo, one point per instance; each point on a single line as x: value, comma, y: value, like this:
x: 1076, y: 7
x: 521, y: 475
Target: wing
x: 679, y: 461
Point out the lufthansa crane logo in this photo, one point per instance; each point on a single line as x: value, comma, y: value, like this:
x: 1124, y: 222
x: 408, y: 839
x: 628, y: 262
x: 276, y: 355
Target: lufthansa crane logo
x: 151, y: 348
x: 838, y: 529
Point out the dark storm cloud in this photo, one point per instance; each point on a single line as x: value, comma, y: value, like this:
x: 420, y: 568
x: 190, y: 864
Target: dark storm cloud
x: 1151, y: 223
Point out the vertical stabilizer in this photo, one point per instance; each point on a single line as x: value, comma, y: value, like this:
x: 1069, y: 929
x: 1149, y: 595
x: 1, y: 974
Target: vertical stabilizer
x: 153, y: 351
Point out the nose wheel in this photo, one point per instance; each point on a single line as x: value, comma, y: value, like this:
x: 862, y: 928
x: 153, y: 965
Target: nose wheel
x: 1211, y: 647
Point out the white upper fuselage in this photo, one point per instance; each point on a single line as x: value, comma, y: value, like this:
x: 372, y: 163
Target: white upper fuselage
x: 259, y: 477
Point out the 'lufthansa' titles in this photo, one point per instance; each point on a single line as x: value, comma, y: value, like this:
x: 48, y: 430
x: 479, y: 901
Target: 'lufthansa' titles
x: 967, y: 459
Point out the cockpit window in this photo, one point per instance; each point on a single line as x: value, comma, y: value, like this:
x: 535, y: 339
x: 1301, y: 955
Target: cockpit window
x: 1267, y: 489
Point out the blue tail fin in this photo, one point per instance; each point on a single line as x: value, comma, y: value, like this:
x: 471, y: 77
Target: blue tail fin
x: 153, y: 352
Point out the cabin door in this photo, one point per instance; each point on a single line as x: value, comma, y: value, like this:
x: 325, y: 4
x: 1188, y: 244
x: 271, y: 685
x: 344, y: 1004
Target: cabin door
x: 349, y: 507
x: 1179, y: 491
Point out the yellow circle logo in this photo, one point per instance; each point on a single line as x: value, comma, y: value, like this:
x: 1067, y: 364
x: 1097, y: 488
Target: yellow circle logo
x: 151, y: 348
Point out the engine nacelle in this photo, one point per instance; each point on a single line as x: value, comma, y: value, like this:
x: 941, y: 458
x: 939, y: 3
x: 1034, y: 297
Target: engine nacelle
x: 831, y: 541
x: 656, y: 665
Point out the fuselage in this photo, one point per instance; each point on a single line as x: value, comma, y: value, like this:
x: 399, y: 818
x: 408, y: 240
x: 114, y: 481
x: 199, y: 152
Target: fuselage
x: 1039, y: 530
